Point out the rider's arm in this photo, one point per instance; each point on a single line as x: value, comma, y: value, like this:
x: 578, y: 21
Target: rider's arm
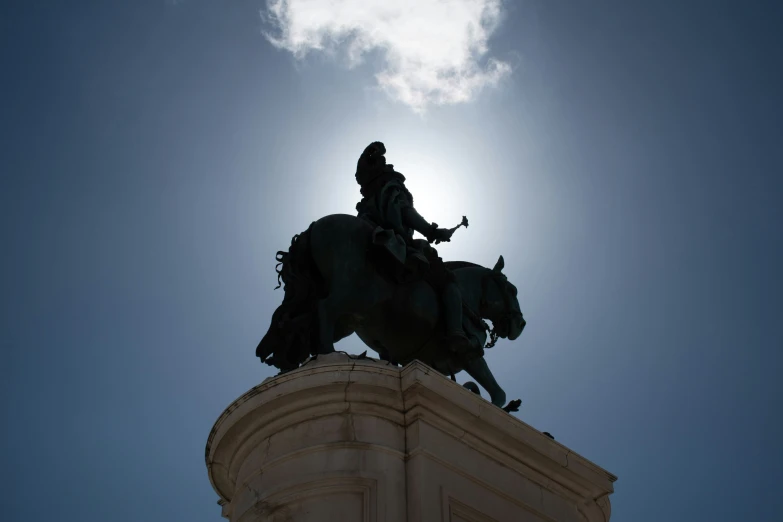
x: 413, y: 219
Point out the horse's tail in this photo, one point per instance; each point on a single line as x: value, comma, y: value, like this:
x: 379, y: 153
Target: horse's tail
x: 292, y: 336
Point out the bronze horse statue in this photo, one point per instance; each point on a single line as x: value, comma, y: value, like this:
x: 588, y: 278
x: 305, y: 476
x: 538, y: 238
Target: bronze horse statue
x: 336, y: 286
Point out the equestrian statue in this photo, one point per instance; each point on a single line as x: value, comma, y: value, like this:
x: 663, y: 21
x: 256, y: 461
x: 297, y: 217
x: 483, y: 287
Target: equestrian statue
x: 367, y: 274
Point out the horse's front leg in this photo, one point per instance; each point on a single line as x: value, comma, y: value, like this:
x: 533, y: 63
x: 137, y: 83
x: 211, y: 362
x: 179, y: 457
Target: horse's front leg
x: 478, y: 369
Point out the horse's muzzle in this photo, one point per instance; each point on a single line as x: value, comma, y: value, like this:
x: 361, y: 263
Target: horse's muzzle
x: 516, y: 325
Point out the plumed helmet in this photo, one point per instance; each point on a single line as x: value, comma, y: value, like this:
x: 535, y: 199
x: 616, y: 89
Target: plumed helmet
x: 373, y: 151
x: 371, y: 163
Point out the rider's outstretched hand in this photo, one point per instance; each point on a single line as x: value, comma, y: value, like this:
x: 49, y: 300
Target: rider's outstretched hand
x: 440, y: 235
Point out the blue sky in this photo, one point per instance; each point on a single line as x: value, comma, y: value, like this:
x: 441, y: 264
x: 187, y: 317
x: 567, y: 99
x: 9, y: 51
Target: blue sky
x: 625, y: 159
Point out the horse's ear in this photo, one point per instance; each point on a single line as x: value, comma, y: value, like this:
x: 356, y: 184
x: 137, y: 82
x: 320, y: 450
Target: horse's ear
x: 499, y: 265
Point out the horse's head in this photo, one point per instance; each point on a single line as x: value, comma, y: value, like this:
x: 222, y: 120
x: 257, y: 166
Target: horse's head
x: 499, y: 303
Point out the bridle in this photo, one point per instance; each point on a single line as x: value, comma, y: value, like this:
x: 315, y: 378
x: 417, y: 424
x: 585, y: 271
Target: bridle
x: 507, y: 314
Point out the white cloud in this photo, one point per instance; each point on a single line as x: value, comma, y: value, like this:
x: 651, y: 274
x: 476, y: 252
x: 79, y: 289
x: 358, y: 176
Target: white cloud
x: 432, y: 51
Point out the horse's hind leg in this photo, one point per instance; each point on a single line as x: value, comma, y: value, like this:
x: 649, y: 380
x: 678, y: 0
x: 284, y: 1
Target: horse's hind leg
x: 478, y: 369
x: 327, y: 319
x: 334, y: 322
x: 340, y: 312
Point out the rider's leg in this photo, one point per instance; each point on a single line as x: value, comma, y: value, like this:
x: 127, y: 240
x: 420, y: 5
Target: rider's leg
x: 451, y: 301
x: 451, y: 298
x: 452, y: 308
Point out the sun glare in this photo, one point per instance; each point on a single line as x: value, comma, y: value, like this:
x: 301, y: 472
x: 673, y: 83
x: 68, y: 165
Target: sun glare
x: 437, y: 194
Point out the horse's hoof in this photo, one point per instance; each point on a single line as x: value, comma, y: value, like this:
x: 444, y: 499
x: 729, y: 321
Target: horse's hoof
x: 512, y: 406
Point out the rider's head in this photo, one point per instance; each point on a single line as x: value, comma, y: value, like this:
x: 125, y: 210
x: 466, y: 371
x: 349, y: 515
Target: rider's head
x: 374, y: 150
x: 371, y: 163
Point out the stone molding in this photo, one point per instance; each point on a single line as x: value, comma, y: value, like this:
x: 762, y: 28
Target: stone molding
x: 375, y: 435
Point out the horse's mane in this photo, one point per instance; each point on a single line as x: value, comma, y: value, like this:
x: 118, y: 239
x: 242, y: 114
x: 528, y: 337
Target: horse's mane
x: 456, y: 265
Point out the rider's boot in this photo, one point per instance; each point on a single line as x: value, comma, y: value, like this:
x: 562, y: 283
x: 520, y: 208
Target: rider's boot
x: 456, y: 339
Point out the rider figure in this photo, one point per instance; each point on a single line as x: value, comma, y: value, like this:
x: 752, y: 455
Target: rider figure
x: 388, y: 204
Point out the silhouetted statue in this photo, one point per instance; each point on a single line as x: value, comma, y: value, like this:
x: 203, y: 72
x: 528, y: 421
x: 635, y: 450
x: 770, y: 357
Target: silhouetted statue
x: 368, y: 275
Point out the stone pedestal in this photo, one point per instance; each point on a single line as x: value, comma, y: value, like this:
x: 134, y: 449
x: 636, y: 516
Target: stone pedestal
x: 344, y: 439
